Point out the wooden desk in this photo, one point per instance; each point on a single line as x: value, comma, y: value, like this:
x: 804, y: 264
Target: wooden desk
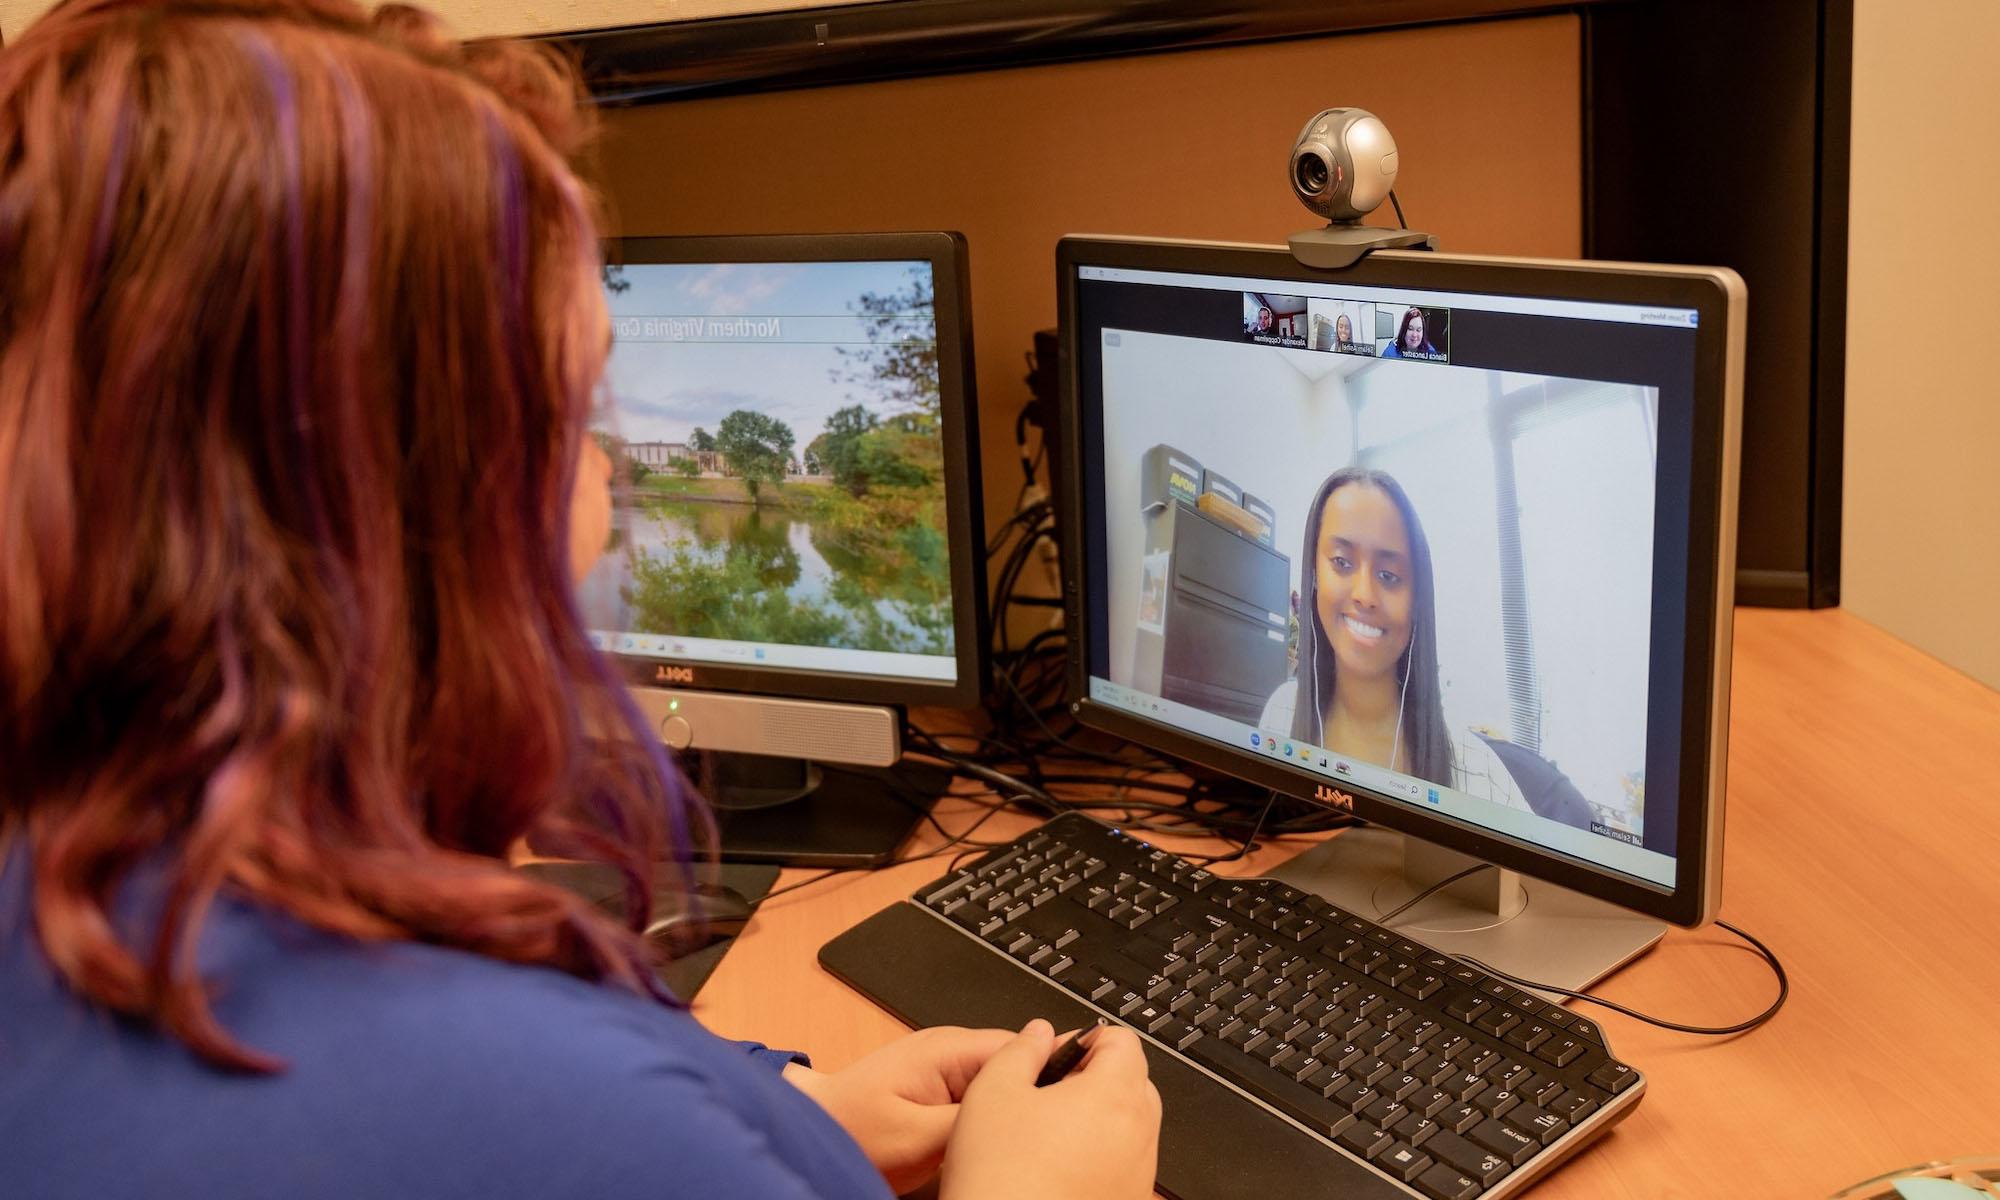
x: 1863, y: 845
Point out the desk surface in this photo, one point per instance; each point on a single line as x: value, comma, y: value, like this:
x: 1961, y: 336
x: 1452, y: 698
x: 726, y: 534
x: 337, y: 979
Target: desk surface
x: 1863, y: 845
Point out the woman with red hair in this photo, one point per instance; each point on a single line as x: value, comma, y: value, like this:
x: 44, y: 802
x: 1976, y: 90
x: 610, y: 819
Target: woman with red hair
x: 300, y: 324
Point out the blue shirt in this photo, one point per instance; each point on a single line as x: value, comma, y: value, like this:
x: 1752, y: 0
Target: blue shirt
x: 414, y: 1071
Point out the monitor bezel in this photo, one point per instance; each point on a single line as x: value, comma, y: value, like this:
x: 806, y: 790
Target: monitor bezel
x: 945, y: 251
x: 1716, y: 294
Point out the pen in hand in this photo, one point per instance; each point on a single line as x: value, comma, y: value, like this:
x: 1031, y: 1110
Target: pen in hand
x: 1065, y: 1057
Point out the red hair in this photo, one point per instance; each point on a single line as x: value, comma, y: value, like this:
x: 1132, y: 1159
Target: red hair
x: 299, y: 331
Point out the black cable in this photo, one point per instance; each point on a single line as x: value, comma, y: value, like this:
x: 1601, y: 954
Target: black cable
x: 961, y: 838
x: 1777, y: 968
x: 1212, y: 860
x: 1400, y: 222
x: 1428, y: 892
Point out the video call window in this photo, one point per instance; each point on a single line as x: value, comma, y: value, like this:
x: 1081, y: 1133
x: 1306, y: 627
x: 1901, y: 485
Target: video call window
x: 1456, y: 582
x: 1341, y: 326
x: 1417, y: 333
x: 1273, y: 320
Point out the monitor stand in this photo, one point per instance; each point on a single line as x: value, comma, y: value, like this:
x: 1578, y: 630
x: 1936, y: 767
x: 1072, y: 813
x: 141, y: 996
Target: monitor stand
x: 1525, y: 927
x: 804, y: 814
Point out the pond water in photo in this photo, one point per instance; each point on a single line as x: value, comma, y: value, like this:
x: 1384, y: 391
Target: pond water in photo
x: 816, y: 572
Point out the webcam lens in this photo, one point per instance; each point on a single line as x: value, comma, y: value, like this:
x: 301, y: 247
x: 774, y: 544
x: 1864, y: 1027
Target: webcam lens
x: 1310, y: 170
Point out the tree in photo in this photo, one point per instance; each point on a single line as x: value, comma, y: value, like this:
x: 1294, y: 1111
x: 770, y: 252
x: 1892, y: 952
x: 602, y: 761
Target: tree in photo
x: 755, y: 447
x: 840, y: 447
x: 899, y: 365
x: 701, y: 440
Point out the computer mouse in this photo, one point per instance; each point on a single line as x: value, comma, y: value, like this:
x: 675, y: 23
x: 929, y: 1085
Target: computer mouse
x: 683, y: 923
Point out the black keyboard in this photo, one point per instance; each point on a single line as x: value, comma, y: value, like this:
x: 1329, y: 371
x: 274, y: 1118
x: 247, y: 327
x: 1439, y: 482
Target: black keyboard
x: 1396, y: 1070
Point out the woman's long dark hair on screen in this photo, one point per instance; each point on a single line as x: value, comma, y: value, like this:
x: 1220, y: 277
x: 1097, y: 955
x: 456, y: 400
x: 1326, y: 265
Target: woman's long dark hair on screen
x: 299, y: 337
x: 1425, y: 739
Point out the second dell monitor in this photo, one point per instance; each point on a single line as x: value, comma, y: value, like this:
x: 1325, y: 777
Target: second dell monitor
x: 795, y: 552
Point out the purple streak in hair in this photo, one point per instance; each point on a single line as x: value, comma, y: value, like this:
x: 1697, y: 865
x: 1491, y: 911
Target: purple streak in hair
x: 284, y: 99
x: 510, y: 236
x: 114, y: 182
x: 358, y: 154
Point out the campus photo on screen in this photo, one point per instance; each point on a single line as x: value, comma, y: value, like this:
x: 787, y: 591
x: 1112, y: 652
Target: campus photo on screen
x: 1440, y: 570
x: 777, y: 428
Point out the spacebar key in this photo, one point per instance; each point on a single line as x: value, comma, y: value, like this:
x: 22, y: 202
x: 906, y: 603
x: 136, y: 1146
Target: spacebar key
x: 1303, y: 1105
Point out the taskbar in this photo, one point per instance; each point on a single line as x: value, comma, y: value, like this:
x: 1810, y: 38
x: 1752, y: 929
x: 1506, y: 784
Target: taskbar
x: 841, y: 660
x: 1536, y: 832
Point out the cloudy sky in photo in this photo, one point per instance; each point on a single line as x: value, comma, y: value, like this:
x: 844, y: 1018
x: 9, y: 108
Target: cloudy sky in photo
x: 777, y: 352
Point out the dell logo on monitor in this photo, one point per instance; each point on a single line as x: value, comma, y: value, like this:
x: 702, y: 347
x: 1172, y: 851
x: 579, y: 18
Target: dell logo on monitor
x: 1334, y: 796
x: 666, y: 674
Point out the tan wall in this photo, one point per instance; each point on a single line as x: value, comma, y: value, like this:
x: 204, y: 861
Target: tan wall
x: 1190, y: 144
x: 1185, y: 145
x: 1920, y: 547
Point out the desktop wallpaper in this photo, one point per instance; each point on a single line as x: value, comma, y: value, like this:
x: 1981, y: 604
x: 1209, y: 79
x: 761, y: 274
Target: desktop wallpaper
x: 778, y: 435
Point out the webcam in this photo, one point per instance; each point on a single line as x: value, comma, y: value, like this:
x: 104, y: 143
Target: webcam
x: 1343, y: 166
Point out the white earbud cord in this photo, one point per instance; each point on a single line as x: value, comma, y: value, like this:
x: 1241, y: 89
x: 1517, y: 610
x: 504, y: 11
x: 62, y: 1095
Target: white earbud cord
x: 1402, y: 700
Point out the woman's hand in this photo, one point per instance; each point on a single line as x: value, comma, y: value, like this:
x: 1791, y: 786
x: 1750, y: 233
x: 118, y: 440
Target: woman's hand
x: 899, y: 1103
x: 1095, y: 1135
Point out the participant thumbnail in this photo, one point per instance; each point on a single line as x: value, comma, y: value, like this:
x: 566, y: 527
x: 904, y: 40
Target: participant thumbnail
x: 1341, y: 326
x: 1421, y: 333
x: 1271, y: 320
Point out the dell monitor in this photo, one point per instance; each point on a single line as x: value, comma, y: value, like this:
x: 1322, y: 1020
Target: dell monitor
x: 795, y: 546
x: 1445, y: 543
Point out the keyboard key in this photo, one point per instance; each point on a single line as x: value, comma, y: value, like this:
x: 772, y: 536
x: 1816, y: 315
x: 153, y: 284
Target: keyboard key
x: 1246, y: 1037
x: 1275, y: 1053
x: 1497, y: 1021
x: 1543, y: 1124
x: 1467, y: 1007
x: 1364, y: 1139
x: 1355, y: 1095
x: 1527, y: 1035
x: 1486, y: 1167
x: 1574, y: 1107
x: 1368, y: 1070
x: 1402, y: 1161
x: 1383, y: 1111
x: 1402, y: 1085
x: 1562, y: 1051
x: 1414, y: 1128
x: 1444, y: 1183
x: 1306, y: 1107
x: 1495, y: 1101
x: 1613, y: 1077
x: 1506, y: 1141
x: 1423, y: 985
x: 1463, y: 1084
x: 1458, y: 1117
